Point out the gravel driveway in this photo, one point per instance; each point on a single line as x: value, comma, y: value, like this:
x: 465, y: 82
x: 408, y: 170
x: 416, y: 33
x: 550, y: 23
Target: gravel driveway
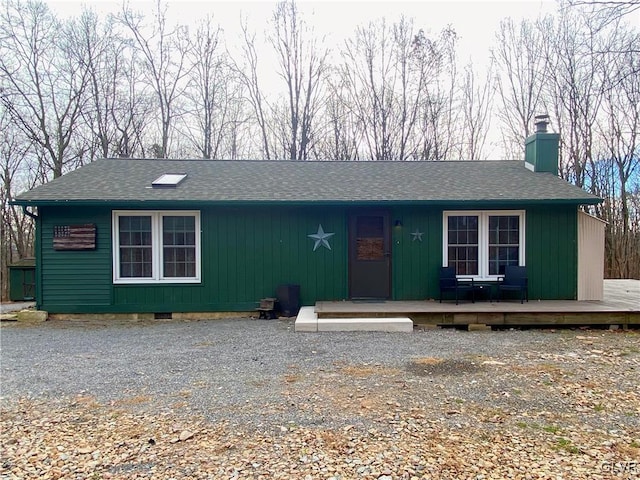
x: 223, y: 363
x: 317, y: 402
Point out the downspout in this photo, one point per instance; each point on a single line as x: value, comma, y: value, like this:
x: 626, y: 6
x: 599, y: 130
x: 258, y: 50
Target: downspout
x: 28, y: 213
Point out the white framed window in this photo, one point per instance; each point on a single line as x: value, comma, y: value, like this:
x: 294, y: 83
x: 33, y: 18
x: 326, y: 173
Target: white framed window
x: 156, y: 246
x: 480, y: 244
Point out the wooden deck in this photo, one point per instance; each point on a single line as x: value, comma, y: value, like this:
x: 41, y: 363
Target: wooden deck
x: 620, y: 306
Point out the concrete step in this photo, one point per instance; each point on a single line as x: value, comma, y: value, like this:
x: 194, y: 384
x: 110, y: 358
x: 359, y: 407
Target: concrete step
x: 393, y: 324
x: 308, y: 321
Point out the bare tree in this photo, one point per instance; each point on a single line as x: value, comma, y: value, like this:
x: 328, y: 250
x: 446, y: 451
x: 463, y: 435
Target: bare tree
x: 92, y: 46
x: 387, y: 73
x: 521, y: 73
x: 577, y: 89
x: 44, y: 83
x: 439, y: 110
x: 367, y: 76
x: 415, y: 59
x: 477, y: 102
x: 302, y: 66
x: 214, y: 96
x: 134, y: 108
x: 619, y: 136
x: 248, y: 74
x: 205, y: 86
x: 164, y: 51
x: 614, y: 10
x: 116, y: 108
x: 592, y: 65
x: 340, y: 138
x: 620, y: 126
x: 16, y: 229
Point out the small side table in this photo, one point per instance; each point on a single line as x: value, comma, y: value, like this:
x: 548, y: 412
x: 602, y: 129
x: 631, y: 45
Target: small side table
x: 484, y: 289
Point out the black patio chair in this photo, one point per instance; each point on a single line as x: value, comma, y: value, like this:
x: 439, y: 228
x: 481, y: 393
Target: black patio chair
x: 449, y: 282
x: 515, y: 280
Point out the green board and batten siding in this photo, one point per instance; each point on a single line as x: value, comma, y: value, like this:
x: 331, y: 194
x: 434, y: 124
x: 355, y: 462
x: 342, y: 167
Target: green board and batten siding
x: 247, y: 251
x: 550, y: 243
x: 552, y: 258
x: 246, y: 254
x: 71, y: 280
x: 415, y: 263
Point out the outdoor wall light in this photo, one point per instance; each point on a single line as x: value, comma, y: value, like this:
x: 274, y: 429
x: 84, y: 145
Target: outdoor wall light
x: 398, y: 223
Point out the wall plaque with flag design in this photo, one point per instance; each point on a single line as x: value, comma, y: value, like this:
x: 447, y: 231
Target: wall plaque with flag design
x: 74, y: 237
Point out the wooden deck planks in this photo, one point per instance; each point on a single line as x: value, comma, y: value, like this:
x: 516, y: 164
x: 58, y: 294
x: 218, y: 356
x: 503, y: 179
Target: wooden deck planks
x: 621, y: 305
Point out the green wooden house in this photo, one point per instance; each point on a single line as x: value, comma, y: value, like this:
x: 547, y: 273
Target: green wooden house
x: 142, y: 235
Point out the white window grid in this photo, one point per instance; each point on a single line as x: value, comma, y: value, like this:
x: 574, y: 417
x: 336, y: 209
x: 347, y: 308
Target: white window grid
x: 156, y: 246
x: 483, y: 238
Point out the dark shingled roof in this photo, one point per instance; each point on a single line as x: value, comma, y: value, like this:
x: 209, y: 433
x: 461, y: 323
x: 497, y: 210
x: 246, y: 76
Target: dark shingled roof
x: 129, y: 180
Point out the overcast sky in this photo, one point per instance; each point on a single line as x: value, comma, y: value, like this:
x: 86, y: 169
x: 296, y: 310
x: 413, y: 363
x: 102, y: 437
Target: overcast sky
x: 475, y: 21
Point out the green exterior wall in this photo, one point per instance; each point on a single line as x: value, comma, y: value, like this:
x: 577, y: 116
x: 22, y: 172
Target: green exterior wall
x: 74, y: 281
x: 246, y: 254
x: 416, y: 263
x: 248, y: 251
x: 552, y: 252
x: 551, y: 242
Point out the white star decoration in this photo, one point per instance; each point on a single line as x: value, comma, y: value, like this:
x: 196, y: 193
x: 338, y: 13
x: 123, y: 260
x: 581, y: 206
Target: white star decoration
x: 417, y: 235
x: 321, y: 238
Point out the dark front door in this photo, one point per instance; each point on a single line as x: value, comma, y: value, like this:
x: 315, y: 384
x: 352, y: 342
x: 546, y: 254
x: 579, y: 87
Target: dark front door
x: 369, y: 255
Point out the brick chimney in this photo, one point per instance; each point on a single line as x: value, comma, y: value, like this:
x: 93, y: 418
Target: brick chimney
x: 541, y: 148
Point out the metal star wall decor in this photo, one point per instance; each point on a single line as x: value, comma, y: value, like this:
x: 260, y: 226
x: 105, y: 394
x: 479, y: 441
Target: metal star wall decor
x: 321, y: 238
x: 417, y: 235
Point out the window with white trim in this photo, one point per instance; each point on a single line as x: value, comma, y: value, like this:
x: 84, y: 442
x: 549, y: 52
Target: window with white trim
x: 480, y: 244
x: 156, y: 246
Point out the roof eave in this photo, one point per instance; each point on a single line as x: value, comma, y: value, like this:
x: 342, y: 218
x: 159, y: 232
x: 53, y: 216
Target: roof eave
x: 431, y: 202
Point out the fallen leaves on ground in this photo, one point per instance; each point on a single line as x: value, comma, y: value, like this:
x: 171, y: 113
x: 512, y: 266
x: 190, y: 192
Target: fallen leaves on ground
x: 572, y: 414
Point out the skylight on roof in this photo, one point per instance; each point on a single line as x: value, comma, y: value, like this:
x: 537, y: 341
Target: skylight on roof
x: 168, y: 180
